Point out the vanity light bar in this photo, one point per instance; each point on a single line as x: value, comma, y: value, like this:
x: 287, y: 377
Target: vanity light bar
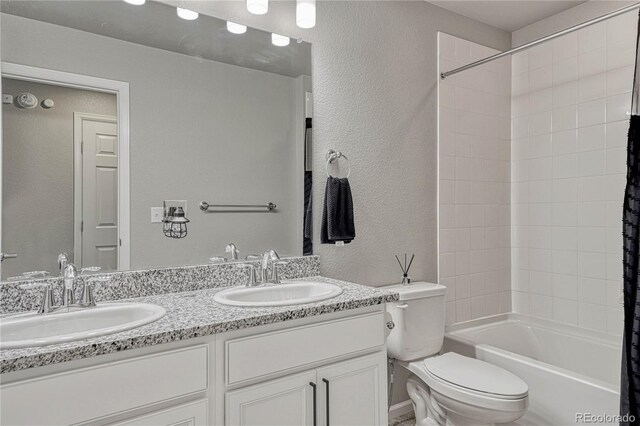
x: 187, y: 14
x: 234, y: 28
x: 258, y: 7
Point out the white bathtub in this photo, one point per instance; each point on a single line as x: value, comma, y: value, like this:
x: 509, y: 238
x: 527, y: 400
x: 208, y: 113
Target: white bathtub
x: 569, y: 370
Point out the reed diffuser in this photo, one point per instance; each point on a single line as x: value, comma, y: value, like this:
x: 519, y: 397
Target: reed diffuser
x: 406, y: 279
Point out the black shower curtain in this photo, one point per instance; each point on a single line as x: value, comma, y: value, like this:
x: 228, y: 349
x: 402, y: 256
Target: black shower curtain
x: 630, y: 383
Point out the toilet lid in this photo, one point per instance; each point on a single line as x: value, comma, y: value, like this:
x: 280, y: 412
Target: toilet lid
x: 476, y: 375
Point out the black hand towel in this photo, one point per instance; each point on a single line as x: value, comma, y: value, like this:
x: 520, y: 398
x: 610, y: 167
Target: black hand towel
x: 337, y: 213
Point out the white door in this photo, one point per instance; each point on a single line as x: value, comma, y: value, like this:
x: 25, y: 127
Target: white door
x: 281, y: 402
x: 353, y: 393
x: 99, y: 194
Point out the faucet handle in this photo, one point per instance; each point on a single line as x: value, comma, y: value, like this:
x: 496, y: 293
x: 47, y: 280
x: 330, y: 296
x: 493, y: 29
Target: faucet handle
x: 275, y: 273
x: 87, y: 298
x: 217, y: 259
x: 47, y: 305
x: 252, y: 257
x: 252, y: 278
x: 89, y: 269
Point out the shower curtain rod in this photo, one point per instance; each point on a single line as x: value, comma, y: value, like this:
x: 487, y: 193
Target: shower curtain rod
x: 539, y: 41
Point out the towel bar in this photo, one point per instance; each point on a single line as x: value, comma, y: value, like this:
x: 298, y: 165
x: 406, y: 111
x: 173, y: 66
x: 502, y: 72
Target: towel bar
x: 204, y: 206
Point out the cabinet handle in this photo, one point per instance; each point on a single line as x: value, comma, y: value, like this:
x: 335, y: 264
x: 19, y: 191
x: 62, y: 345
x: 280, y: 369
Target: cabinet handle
x: 315, y: 414
x: 326, y: 382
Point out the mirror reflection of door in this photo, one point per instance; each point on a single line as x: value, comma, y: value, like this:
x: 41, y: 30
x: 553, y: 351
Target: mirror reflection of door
x: 96, y: 191
x: 55, y: 197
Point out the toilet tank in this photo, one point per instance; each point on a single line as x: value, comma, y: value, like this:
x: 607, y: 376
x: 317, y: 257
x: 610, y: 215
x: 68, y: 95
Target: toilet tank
x: 419, y: 321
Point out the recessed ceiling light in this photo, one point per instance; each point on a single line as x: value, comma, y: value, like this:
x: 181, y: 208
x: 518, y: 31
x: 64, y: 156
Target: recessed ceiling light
x: 187, y: 14
x: 135, y: 2
x: 279, y: 40
x: 232, y: 27
x: 306, y: 13
x: 258, y: 7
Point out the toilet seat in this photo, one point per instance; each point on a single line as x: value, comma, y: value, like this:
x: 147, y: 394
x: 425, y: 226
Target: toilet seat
x: 472, y: 382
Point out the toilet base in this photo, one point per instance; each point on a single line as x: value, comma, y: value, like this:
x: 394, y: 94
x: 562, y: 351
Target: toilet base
x: 434, y: 409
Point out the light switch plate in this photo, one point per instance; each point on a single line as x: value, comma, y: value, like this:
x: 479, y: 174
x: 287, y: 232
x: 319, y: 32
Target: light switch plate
x: 157, y: 213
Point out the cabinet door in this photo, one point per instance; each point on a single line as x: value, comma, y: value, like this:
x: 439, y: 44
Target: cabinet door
x: 191, y: 414
x: 281, y: 402
x: 354, y: 392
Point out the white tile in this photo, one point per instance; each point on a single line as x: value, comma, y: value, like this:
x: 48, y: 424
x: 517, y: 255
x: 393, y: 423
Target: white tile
x: 614, y: 267
x: 591, y: 163
x: 564, y: 262
x: 541, y: 123
x: 463, y: 286
x: 520, y: 302
x: 565, y: 190
x: 447, y: 45
x: 616, y: 185
x: 565, y: 214
x: 477, y: 284
x: 613, y: 214
x: 592, y: 87
x: 462, y: 50
x: 620, y: 80
x: 462, y: 263
x: 520, y: 84
x: 618, y: 107
x: 463, y: 239
x: 564, y: 238
x: 520, y: 128
x: 463, y: 310
x: 541, y: 100
x: 565, y: 47
x: 540, y: 214
x: 447, y: 191
x: 565, y: 94
x: 450, y: 313
x: 447, y: 240
x: 565, y: 70
x: 592, y: 214
x: 592, y: 63
x: 617, y: 134
x: 565, y: 311
x: 540, y: 145
x: 541, y: 306
x: 592, y: 265
x: 591, y: 112
x: 592, y: 188
x: 615, y: 321
x: 450, y: 285
x: 613, y: 294
x: 616, y: 161
x: 520, y: 63
x: 540, y: 260
x: 565, y: 166
x: 592, y: 290
x: 540, y: 283
x: 564, y: 118
x: 540, y: 168
x: 462, y: 192
x: 446, y: 216
x: 592, y: 316
x: 591, y: 138
x: 540, y: 191
x: 478, y: 307
x: 540, y: 78
x: 447, y: 265
x: 565, y: 286
x: 564, y: 142
x: 592, y: 37
x: 621, y: 30
x: 540, y: 56
x: 540, y: 237
x: 620, y: 56
x: 591, y: 239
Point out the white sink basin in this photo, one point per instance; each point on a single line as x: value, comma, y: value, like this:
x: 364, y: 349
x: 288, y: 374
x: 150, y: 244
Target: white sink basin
x: 287, y: 293
x: 28, y: 330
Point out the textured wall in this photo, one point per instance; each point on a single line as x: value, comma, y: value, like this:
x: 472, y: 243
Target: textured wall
x: 37, y: 218
x: 374, y: 80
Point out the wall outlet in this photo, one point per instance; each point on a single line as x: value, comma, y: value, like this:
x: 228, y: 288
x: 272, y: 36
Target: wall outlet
x: 157, y: 213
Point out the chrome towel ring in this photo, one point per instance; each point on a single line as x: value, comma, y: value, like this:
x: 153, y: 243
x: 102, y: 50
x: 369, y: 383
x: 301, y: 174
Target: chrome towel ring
x: 332, y: 156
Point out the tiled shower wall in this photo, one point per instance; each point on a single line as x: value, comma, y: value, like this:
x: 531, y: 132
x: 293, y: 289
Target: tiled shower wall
x: 474, y: 174
x: 570, y: 99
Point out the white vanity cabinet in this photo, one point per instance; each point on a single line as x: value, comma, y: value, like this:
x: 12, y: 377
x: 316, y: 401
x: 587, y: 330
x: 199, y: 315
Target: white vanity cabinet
x: 342, y: 394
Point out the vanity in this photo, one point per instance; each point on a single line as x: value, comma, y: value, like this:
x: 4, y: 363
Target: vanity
x: 205, y: 363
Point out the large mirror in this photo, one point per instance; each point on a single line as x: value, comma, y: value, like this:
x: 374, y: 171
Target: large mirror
x: 118, y: 118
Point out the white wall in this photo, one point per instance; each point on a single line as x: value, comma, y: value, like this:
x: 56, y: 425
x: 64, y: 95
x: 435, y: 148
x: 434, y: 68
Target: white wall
x: 474, y: 153
x: 200, y: 130
x: 570, y: 103
x: 374, y: 81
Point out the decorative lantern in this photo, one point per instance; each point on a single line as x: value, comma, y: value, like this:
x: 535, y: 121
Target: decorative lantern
x: 175, y: 224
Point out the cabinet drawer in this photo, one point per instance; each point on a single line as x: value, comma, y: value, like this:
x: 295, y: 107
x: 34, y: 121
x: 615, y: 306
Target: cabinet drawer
x: 191, y: 414
x: 106, y: 389
x: 260, y: 355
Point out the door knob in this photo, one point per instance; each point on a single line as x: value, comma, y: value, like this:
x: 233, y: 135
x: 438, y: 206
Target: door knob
x: 4, y: 256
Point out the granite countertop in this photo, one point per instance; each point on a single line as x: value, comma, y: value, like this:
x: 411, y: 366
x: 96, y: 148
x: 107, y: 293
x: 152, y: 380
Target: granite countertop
x: 191, y: 314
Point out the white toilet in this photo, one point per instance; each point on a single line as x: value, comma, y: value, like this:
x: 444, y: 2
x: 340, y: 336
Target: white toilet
x: 447, y: 389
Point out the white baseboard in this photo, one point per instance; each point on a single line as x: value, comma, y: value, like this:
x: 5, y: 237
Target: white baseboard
x: 400, y: 409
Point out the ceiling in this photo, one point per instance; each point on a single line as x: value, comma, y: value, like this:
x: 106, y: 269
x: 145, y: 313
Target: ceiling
x: 508, y: 15
x: 156, y: 25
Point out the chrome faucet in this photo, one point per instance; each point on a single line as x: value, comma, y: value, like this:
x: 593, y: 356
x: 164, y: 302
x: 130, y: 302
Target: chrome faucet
x: 270, y: 257
x: 63, y: 260
x: 233, y: 249
x: 70, y: 273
